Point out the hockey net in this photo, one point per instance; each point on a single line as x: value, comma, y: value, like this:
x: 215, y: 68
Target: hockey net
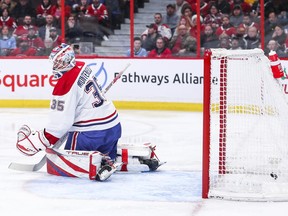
x: 245, y: 128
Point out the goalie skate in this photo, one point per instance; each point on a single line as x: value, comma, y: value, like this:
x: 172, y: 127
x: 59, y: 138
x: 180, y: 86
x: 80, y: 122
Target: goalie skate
x: 153, y: 164
x: 106, y: 171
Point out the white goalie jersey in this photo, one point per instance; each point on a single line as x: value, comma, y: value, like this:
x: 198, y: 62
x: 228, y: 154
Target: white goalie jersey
x: 73, y: 108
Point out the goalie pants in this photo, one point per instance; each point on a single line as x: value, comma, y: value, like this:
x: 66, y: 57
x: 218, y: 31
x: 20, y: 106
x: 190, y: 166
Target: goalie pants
x: 104, y: 141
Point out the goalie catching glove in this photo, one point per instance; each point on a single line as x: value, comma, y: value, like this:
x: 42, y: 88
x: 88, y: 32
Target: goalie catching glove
x: 30, y: 142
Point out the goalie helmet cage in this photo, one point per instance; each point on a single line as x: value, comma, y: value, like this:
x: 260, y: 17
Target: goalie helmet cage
x: 245, y: 124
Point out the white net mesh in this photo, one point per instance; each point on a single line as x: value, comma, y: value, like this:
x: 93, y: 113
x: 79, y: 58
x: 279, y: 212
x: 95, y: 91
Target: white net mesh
x: 248, y: 127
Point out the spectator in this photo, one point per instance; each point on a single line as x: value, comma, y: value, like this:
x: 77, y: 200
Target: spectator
x: 76, y: 49
x: 274, y: 46
x: 214, y: 17
x: 236, y: 17
x: 183, y: 44
x: 194, y: 28
x: 22, y: 30
x: 161, y: 51
x: 51, y: 42
x: 209, y: 38
x: 226, y: 27
x: 246, y: 8
x: 171, y: 19
x: 179, y: 6
x: 57, y: 12
x: 280, y: 36
x: 240, y: 36
x: 73, y: 31
x: 74, y: 5
x: 223, y: 6
x: 44, y: 31
x: 81, y: 8
x: 235, y: 44
x: 224, y: 42
x: 254, y: 16
x: 9, y: 4
x: 35, y: 41
x: 184, y: 20
x: 42, y: 10
x: 252, y: 38
x: 115, y: 14
x: 56, y: 38
x: 163, y: 29
x: 48, y: 43
x: 268, y: 7
x: 7, y: 20
x: 283, y: 17
x: 270, y: 24
x: 23, y: 49
x: 247, y: 22
x: 138, y: 50
x: 23, y: 8
x: 99, y: 10
x: 45, y: 8
x: 188, y: 13
x: 149, y: 41
x: 7, y: 42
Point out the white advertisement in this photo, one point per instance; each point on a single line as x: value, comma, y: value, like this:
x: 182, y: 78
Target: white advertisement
x: 145, y: 80
x: 164, y: 80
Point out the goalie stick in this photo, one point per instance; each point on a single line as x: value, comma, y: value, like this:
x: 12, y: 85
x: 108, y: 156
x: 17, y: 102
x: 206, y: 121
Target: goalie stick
x: 116, y: 78
x: 42, y: 162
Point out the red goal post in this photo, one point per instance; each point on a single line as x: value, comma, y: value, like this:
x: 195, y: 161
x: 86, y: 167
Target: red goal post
x: 245, y: 128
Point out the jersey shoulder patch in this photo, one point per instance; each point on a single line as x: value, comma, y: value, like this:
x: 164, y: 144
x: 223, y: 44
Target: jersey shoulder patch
x: 65, y: 83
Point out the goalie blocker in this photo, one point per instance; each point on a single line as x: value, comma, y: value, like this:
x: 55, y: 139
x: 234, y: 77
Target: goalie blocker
x: 96, y: 166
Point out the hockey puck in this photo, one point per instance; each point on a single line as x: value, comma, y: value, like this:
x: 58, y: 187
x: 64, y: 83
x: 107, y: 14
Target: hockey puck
x: 273, y: 175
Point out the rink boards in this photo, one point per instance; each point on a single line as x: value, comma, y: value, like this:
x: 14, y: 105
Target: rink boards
x: 166, y: 84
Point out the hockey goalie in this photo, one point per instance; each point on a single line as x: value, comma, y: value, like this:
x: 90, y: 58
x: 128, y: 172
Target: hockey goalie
x: 82, y: 117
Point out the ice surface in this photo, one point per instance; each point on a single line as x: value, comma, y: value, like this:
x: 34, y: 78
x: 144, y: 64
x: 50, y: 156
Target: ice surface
x: 174, y: 190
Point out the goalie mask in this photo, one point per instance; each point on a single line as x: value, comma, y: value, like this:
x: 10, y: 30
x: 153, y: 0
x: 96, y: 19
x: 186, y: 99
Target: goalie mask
x: 63, y: 59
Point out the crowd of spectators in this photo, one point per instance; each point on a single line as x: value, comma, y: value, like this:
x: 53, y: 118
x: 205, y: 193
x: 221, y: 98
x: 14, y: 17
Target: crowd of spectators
x: 33, y: 27
x: 229, y: 24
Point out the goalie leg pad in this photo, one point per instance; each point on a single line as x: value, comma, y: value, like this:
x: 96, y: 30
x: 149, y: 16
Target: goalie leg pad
x: 30, y: 142
x: 132, y: 164
x: 137, y: 157
x: 144, y: 151
x: 71, y: 163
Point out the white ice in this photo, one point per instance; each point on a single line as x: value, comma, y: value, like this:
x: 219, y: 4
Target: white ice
x: 174, y: 190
